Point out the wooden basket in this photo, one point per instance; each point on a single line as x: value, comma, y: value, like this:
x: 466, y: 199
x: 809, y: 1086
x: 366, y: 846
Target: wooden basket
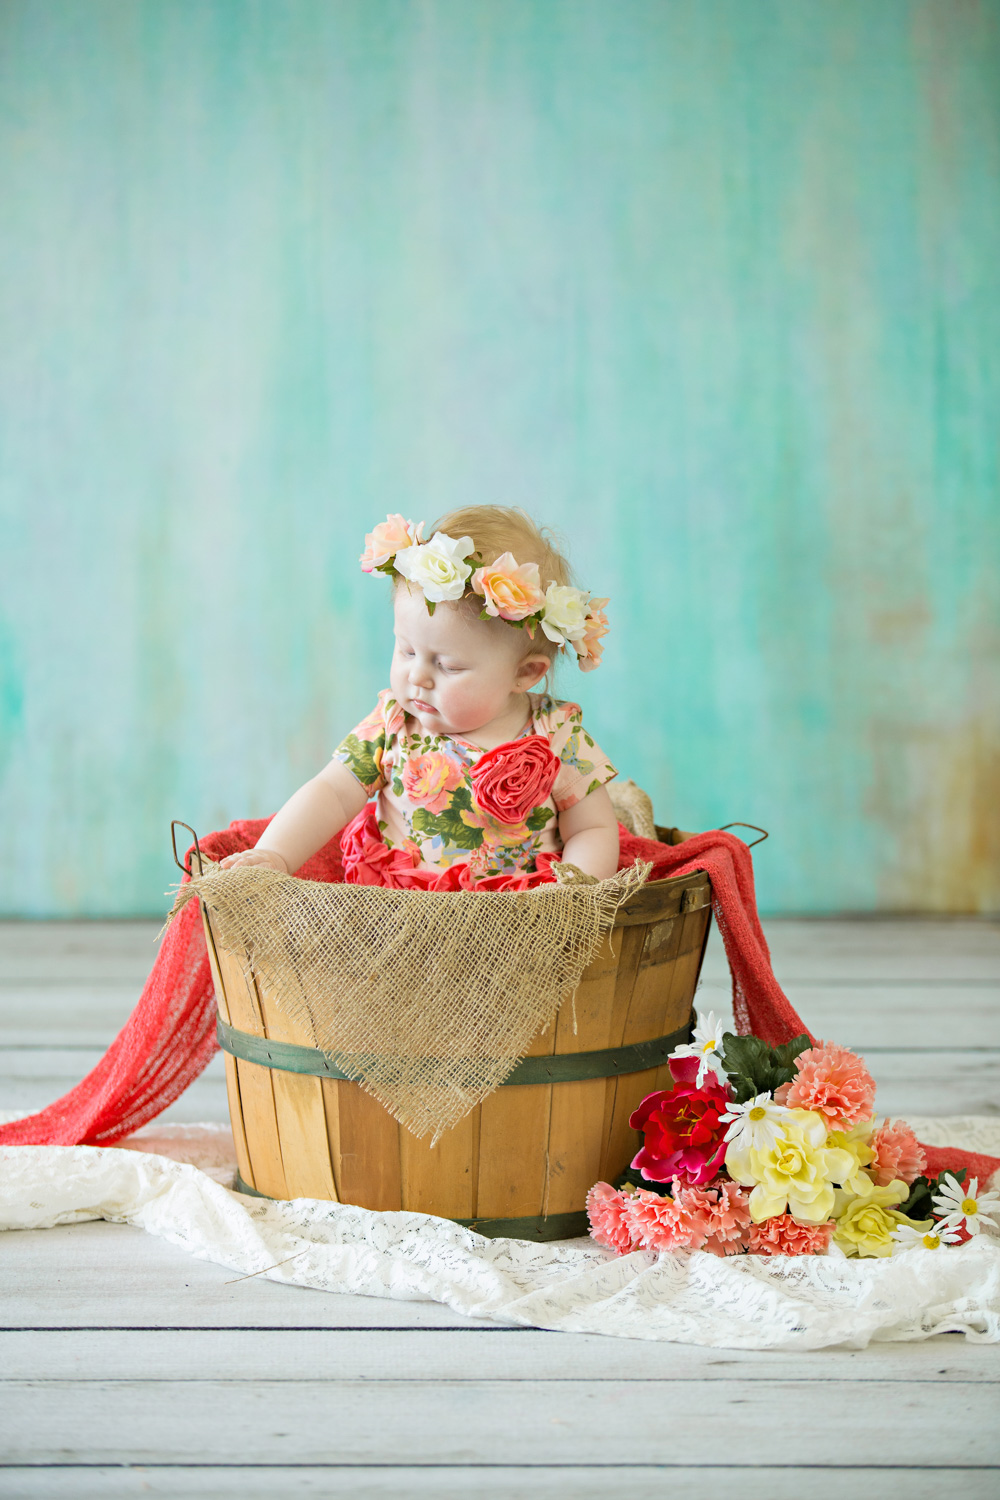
x: 521, y: 1163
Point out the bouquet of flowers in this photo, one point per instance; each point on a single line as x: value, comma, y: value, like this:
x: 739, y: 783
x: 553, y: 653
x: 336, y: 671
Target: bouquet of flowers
x: 776, y: 1151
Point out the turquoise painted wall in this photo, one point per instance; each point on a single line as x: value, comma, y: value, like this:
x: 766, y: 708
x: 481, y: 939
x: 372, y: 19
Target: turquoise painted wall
x: 712, y: 286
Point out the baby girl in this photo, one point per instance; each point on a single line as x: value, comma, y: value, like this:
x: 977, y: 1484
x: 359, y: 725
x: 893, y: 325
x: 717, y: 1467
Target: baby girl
x: 480, y: 782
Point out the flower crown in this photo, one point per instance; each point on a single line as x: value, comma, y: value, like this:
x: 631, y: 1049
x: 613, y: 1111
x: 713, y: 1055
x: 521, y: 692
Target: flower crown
x: 510, y: 591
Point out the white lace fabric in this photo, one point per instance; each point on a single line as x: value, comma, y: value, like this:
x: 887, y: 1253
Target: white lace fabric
x: 173, y: 1181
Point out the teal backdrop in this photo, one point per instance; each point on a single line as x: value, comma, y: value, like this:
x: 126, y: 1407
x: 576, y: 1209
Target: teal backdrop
x: 710, y: 286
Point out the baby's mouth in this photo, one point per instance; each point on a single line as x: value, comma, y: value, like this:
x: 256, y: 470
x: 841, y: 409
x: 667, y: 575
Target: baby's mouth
x: 421, y: 706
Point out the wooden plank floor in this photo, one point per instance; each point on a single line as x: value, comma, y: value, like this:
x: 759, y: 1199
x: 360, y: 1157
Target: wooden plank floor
x: 128, y: 1369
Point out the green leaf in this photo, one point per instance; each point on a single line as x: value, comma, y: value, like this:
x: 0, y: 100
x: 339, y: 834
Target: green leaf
x: 538, y: 818
x: 362, y: 761
x: 755, y: 1068
x: 461, y: 798
x: 431, y: 606
x: 449, y: 826
x: 919, y: 1204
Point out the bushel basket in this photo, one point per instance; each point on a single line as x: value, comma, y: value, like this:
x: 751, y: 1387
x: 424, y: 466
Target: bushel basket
x: 521, y: 1162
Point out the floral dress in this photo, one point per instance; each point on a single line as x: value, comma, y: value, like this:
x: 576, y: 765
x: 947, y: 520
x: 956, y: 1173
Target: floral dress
x: 443, y: 802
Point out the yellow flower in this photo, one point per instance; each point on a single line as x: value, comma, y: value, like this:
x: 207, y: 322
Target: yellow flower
x: 855, y: 1142
x: 795, y: 1174
x: 867, y: 1224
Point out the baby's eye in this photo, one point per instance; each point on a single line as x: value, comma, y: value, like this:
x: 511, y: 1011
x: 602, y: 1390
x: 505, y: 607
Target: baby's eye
x: 447, y: 667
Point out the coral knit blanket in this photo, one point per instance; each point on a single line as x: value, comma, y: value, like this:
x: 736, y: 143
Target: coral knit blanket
x: 170, y: 1036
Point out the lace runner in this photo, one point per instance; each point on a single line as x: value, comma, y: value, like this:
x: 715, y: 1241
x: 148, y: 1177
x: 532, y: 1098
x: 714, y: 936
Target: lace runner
x: 743, y: 1302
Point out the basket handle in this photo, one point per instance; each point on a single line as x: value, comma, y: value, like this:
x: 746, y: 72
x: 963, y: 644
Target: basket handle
x: 762, y: 831
x: 173, y: 839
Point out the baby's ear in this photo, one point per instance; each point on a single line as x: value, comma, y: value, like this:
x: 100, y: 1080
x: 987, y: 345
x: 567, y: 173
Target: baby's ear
x: 532, y: 670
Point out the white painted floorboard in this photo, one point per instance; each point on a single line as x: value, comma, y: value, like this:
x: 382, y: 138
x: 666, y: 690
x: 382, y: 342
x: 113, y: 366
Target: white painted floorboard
x: 617, y: 1478
x: 130, y: 1369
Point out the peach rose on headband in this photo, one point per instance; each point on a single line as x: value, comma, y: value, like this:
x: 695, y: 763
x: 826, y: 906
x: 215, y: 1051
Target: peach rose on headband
x: 428, y: 779
x: 511, y: 590
x: 508, y: 781
x: 588, y: 647
x: 389, y: 537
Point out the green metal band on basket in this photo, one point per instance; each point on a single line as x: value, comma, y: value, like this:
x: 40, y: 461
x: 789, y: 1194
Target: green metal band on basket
x: 550, y: 1227
x: 565, y: 1067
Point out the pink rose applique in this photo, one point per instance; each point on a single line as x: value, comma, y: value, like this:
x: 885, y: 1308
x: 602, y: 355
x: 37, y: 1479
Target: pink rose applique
x: 429, y: 779
x: 368, y: 860
x: 509, y: 781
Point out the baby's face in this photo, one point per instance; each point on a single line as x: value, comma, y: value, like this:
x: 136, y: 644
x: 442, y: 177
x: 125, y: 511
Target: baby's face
x: 453, y: 673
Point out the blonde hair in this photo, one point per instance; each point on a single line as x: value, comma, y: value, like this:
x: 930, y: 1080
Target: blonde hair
x: 496, y: 529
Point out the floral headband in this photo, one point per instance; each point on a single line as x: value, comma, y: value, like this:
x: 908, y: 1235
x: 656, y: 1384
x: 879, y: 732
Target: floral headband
x: 510, y: 591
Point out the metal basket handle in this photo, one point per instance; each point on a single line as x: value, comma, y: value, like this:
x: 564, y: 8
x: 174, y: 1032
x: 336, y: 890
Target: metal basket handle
x: 762, y: 831
x: 197, y: 847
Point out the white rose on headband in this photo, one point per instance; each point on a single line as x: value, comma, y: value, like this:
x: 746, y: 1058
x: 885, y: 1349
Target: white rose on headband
x: 438, y: 567
x: 564, y: 617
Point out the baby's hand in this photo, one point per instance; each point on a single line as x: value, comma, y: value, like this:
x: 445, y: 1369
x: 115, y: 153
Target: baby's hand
x: 266, y: 857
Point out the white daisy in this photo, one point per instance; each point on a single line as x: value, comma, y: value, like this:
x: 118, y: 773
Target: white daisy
x: 931, y: 1239
x: 756, y: 1123
x: 966, y: 1205
x: 704, y: 1045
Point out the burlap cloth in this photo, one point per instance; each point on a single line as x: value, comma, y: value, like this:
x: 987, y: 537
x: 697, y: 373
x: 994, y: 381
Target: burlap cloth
x: 426, y: 999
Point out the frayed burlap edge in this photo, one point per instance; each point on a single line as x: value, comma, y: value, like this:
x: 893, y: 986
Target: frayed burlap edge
x: 426, y: 999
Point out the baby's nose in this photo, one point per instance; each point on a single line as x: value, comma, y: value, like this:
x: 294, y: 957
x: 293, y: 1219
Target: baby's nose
x: 421, y: 675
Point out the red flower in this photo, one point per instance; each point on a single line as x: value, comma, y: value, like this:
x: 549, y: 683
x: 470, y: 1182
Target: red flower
x: 513, y: 778
x: 367, y: 858
x: 683, y: 1130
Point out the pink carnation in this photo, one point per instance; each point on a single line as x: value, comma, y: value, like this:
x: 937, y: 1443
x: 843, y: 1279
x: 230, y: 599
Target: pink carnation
x: 784, y: 1235
x: 609, y: 1226
x: 664, y: 1223
x: 715, y: 1219
x: 728, y: 1218
x: 833, y: 1082
x: 897, y: 1154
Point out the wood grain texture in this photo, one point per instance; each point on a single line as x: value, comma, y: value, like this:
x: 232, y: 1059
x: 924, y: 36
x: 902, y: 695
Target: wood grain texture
x: 299, y: 1110
x: 100, y: 1275
x: 497, y: 1482
x: 504, y: 1355
x: 369, y: 1169
x: 255, y: 1094
x: 323, y: 1421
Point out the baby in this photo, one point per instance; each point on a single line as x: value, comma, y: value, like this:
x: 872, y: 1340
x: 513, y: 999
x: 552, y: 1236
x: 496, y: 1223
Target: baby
x: 479, y: 781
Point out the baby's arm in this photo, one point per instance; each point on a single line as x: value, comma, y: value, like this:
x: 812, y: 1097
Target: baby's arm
x: 308, y: 820
x: 589, y: 831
